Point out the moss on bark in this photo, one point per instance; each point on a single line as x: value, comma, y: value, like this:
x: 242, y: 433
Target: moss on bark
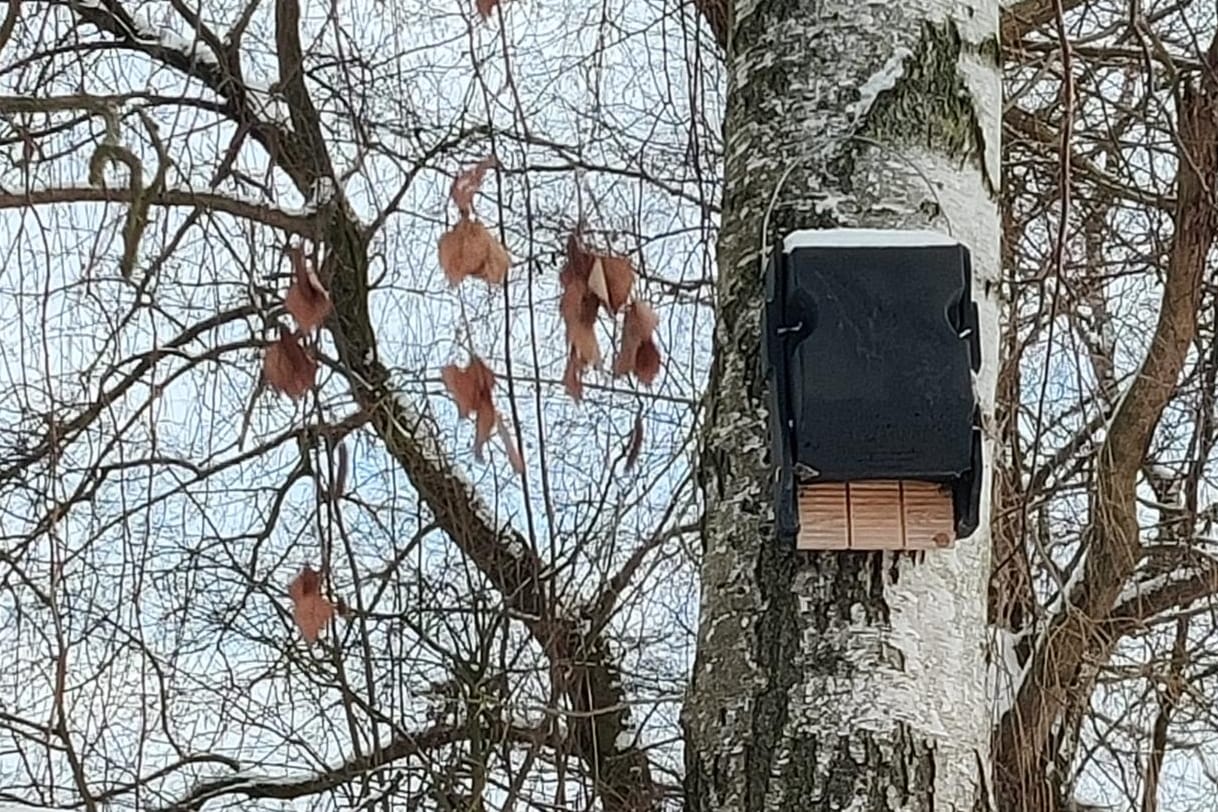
x: 930, y: 105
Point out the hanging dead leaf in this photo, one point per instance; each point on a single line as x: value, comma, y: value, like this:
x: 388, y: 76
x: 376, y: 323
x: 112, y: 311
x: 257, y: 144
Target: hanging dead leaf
x: 579, y: 262
x: 573, y: 377
x: 578, y: 308
x: 469, y: 249
x: 310, y: 609
x: 509, y: 445
x: 471, y: 388
x: 579, y: 304
x: 308, y: 300
x: 610, y: 280
x: 596, y: 281
x: 467, y: 183
x: 288, y: 367
x: 639, y: 354
x: 647, y: 362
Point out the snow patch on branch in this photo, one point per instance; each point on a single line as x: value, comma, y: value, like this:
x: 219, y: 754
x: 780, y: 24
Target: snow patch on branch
x: 1139, y: 590
x: 321, y: 194
x: 1057, y: 605
x: 250, y: 778
x: 193, y: 49
x: 149, y: 32
x: 1006, y: 674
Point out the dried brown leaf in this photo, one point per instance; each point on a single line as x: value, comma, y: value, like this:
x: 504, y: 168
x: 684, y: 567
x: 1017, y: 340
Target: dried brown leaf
x: 470, y: 385
x: 495, y: 269
x: 578, y: 308
x: 573, y: 377
x: 596, y: 281
x: 471, y: 388
x: 467, y: 183
x: 509, y: 444
x: 579, y: 305
x: 288, y: 366
x: 469, y: 249
x: 647, y: 362
x: 611, y: 280
x: 639, y: 354
x: 485, y: 7
x: 308, y: 300
x: 310, y: 609
x: 579, y: 262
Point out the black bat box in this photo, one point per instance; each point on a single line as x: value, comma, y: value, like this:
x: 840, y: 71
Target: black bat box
x: 870, y: 346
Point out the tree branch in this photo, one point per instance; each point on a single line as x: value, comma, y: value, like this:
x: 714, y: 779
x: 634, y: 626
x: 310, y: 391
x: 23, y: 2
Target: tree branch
x: 110, y: 17
x: 302, y: 224
x: 584, y: 668
x: 10, y: 22
x: 253, y: 787
x: 714, y: 12
x: 1160, y: 594
x: 1112, y: 539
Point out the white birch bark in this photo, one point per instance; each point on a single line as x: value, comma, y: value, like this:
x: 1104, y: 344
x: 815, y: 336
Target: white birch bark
x: 842, y: 681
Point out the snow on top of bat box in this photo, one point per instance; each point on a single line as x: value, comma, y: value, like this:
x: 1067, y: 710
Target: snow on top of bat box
x: 864, y: 238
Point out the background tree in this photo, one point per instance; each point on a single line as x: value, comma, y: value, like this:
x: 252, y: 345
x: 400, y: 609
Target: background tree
x: 496, y: 645
x: 1105, y: 496
x: 512, y: 641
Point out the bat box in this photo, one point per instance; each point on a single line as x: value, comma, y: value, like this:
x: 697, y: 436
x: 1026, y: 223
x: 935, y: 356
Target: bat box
x: 870, y: 343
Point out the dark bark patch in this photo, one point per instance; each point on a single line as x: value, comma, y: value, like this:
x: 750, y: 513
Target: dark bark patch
x: 777, y: 636
x: 930, y: 104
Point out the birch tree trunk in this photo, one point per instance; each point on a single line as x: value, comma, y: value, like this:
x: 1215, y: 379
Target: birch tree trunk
x: 853, y: 680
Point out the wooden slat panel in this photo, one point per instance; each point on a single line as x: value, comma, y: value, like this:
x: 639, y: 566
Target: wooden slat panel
x: 929, y: 520
x: 875, y: 515
x: 823, y: 520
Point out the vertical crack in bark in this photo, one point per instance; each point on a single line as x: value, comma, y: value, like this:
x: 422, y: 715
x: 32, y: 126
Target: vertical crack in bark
x: 777, y: 643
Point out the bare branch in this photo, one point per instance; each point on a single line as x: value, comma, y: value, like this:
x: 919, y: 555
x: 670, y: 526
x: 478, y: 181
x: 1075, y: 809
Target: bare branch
x: 253, y: 787
x: 1112, y: 539
x: 301, y: 224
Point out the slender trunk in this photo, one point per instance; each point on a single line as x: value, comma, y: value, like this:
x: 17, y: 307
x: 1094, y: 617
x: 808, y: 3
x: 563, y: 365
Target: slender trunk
x: 841, y: 680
